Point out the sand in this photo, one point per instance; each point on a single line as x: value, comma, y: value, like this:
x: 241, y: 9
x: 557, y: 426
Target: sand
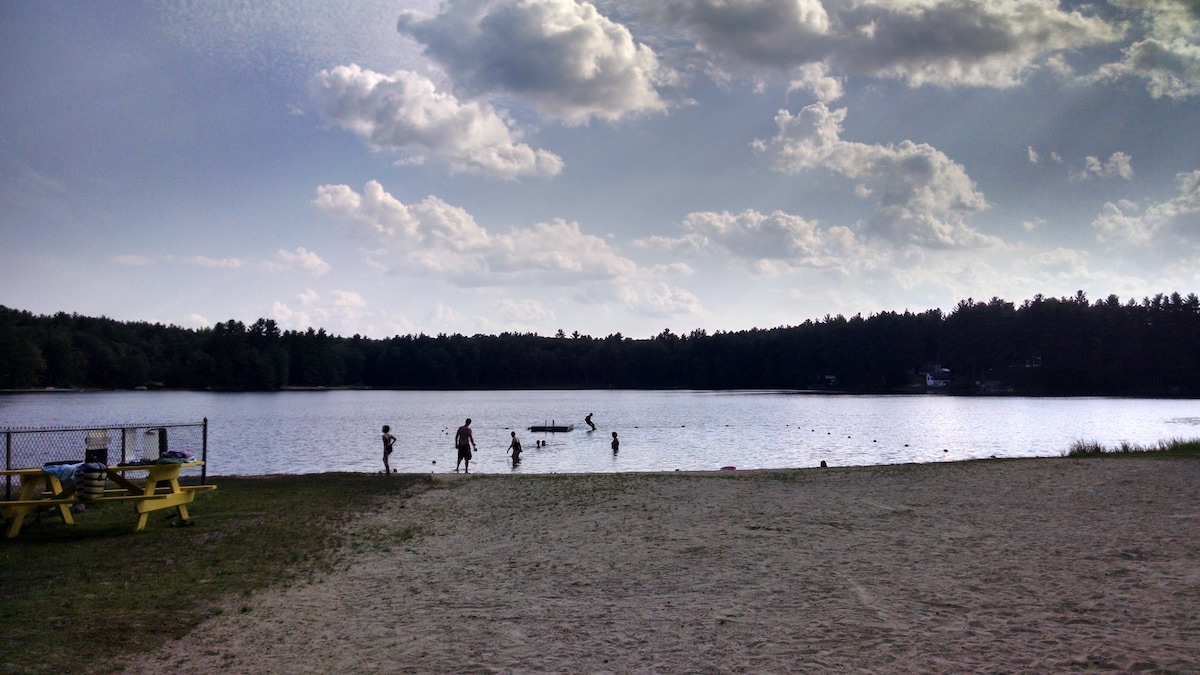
x: 1010, y: 566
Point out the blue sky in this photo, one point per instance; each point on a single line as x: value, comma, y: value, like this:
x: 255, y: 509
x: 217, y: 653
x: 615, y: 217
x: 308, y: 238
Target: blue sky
x: 482, y: 166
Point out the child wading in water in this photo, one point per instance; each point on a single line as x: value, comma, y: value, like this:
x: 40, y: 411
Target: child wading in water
x: 388, y: 442
x: 616, y: 444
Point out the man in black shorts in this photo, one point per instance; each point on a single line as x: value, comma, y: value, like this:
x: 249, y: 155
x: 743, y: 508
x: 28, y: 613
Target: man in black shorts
x: 464, y: 441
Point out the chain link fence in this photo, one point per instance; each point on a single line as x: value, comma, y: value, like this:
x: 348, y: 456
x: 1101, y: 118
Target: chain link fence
x: 26, y: 448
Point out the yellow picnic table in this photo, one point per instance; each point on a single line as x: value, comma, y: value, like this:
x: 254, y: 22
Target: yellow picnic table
x: 160, y: 489
x: 33, y: 483
x: 156, y: 495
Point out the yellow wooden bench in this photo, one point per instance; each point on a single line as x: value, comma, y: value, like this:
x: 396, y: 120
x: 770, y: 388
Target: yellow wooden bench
x: 36, y: 502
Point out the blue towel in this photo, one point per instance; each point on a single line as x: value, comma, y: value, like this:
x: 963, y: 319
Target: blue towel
x: 64, y: 472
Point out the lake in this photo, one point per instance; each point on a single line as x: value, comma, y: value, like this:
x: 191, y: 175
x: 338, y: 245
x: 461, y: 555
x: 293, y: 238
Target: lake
x: 317, y: 431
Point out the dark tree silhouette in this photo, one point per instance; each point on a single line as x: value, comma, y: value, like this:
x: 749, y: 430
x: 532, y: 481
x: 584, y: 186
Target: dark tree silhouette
x: 1045, y: 346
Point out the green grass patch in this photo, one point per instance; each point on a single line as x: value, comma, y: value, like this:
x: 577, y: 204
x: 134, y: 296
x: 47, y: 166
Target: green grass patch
x: 67, y: 590
x: 1176, y: 447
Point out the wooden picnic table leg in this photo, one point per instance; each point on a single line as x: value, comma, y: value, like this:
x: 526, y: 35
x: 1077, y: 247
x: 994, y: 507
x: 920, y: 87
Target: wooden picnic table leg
x: 143, y: 516
x: 31, y: 487
x: 169, y: 474
x: 56, y: 489
x: 18, y: 517
x: 133, y: 488
x: 176, y: 489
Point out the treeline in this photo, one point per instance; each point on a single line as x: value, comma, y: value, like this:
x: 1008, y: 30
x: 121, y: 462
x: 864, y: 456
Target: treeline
x: 1044, y: 346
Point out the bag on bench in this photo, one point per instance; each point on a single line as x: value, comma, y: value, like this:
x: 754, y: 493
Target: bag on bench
x: 90, y: 481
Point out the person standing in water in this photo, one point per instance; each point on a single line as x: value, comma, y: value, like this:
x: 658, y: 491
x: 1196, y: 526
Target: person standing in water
x: 514, y: 448
x: 589, y: 421
x: 616, y: 444
x: 389, y: 441
x: 464, y: 441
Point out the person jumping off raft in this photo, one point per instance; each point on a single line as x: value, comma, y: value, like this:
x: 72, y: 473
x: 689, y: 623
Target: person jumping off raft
x: 589, y: 421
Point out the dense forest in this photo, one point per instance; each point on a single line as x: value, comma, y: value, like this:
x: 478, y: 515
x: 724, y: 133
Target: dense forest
x: 1044, y: 346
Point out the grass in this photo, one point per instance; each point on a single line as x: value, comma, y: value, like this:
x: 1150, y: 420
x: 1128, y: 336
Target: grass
x: 66, y: 591
x: 1176, y: 447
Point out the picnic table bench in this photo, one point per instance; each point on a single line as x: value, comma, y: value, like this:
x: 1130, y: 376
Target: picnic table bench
x: 160, y: 489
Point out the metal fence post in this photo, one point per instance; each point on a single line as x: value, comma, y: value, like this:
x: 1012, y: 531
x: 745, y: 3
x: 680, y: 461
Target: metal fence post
x: 8, y: 464
x: 204, y: 452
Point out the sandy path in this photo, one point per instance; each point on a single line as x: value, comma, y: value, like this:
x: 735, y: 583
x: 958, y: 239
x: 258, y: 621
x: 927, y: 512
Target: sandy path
x: 1048, y: 565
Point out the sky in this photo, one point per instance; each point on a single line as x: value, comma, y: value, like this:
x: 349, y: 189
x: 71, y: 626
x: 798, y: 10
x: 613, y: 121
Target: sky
x: 390, y: 168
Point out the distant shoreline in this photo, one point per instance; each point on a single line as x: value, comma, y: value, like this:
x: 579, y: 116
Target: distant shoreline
x: 798, y: 392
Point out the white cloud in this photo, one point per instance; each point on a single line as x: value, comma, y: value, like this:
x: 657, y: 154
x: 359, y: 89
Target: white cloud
x: 938, y: 42
x: 658, y: 299
x: 205, y: 261
x: 553, y: 248
x: 526, y: 311
x: 308, y: 297
x: 1117, y: 165
x: 404, y: 112
x: 347, y: 301
x: 678, y: 268
x: 1060, y: 263
x: 194, y: 320
x: 446, y: 319
x: 562, y: 56
x: 661, y: 243
x: 337, y: 311
x: 429, y: 228
x: 755, y: 235
x: 1031, y: 225
x: 441, y: 315
x: 433, y: 238
x: 1168, y: 55
x: 964, y: 42
x: 301, y: 257
x: 922, y: 196
x: 765, y: 32
x: 815, y: 78
x: 766, y: 243
x: 1173, y: 225
x: 289, y: 318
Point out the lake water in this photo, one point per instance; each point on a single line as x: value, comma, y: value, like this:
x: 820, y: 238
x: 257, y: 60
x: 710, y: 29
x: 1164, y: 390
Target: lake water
x: 316, y: 431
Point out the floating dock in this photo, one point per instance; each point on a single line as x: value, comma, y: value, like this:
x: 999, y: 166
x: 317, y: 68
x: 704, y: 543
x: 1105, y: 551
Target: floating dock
x: 552, y: 427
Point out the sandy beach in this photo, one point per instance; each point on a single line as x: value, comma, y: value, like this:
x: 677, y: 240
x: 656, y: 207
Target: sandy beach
x: 1012, y: 566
